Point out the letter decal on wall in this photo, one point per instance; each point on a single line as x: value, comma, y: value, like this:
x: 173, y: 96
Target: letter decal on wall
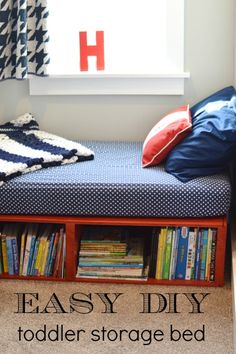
x: 91, y: 50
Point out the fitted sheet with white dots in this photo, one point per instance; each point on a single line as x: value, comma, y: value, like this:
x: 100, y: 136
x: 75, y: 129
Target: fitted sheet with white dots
x: 114, y: 184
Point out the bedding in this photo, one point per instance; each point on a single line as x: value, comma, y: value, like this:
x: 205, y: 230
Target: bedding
x: 24, y: 148
x: 211, y: 145
x: 167, y: 133
x: 114, y: 184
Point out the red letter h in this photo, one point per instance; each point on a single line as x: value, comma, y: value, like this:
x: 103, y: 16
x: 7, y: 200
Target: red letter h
x: 91, y: 50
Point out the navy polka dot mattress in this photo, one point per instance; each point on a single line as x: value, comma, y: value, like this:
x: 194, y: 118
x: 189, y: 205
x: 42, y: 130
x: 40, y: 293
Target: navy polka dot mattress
x: 114, y: 184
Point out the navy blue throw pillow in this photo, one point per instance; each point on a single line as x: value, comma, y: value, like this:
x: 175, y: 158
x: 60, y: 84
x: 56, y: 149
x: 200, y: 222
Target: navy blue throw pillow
x: 210, y: 146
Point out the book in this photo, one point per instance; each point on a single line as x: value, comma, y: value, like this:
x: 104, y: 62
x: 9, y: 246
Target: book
x: 38, y: 261
x: 118, y: 254
x: 4, y: 253
x: 54, y: 253
x: 63, y: 256
x: 208, y: 258
x: 58, y: 253
x: 31, y: 252
x: 194, y: 253
x: 203, y: 254
x: 112, y: 277
x: 190, y: 254
x: 15, y: 255
x: 167, y: 257
x: 153, y: 257
x: 174, y: 252
x: 213, y: 255
x: 109, y: 271
x: 26, y: 255
x: 197, y: 257
x: 61, y: 261
x: 183, y: 233
x: 33, y: 270
x: 31, y: 234
x: 9, y: 255
x: 51, y: 241
x: 160, y: 253
x: 22, y: 249
x: 45, y: 250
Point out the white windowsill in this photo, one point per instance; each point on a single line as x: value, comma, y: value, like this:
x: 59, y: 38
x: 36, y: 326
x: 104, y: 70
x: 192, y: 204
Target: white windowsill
x: 107, y: 84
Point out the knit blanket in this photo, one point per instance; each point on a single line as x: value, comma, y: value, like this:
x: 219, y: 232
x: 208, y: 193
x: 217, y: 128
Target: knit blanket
x: 24, y: 148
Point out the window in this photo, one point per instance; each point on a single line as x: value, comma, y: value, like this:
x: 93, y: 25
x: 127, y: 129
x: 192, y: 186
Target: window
x: 115, y: 47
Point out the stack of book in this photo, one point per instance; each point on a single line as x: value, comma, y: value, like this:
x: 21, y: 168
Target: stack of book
x: 111, y: 253
x: 37, y: 250
x: 183, y: 253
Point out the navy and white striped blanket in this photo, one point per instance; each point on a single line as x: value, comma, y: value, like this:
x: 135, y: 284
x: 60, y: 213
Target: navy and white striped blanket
x: 24, y: 148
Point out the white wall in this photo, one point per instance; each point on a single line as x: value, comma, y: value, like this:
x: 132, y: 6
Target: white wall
x: 209, y: 57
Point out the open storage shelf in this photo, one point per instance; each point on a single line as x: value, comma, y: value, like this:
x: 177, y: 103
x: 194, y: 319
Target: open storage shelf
x: 73, y: 226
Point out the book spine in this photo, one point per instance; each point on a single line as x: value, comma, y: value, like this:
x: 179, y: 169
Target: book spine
x: 213, y: 255
x: 39, y: 256
x: 33, y: 270
x: 161, y: 245
x: 113, y: 265
x: 60, y: 263
x: 22, y: 251
x: 9, y: 255
x: 49, y: 254
x: 168, y: 249
x: 31, y: 252
x: 182, y: 252
x: 42, y: 258
x: 173, y: 245
x: 63, y: 256
x: 175, y: 253
x: 57, y: 260
x: 4, y: 254
x: 198, y: 253
x: 54, y: 252
x: 15, y: 255
x: 203, y: 255
x: 45, y: 255
x: 194, y: 253
x: 190, y: 255
x: 208, y: 260
x: 26, y: 256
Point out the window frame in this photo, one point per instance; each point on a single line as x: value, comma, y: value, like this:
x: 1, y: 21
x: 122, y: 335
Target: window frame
x: 169, y: 83
x: 162, y: 84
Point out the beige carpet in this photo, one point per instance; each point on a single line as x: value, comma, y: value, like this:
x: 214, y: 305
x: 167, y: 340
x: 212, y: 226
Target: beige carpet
x: 140, y: 327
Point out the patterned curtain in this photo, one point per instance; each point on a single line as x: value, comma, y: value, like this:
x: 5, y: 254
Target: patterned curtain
x: 23, y: 38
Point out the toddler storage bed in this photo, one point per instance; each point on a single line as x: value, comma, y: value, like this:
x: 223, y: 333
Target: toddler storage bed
x: 113, y: 189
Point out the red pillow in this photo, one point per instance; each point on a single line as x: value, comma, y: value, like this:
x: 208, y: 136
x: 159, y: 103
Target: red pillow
x: 167, y: 133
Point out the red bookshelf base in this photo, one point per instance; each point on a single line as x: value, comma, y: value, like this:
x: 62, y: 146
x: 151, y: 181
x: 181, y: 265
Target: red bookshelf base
x: 73, y: 226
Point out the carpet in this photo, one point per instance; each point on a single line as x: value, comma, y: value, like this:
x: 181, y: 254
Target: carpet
x: 48, y: 317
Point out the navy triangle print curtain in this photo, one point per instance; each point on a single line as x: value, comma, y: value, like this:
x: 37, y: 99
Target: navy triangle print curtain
x: 23, y: 38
